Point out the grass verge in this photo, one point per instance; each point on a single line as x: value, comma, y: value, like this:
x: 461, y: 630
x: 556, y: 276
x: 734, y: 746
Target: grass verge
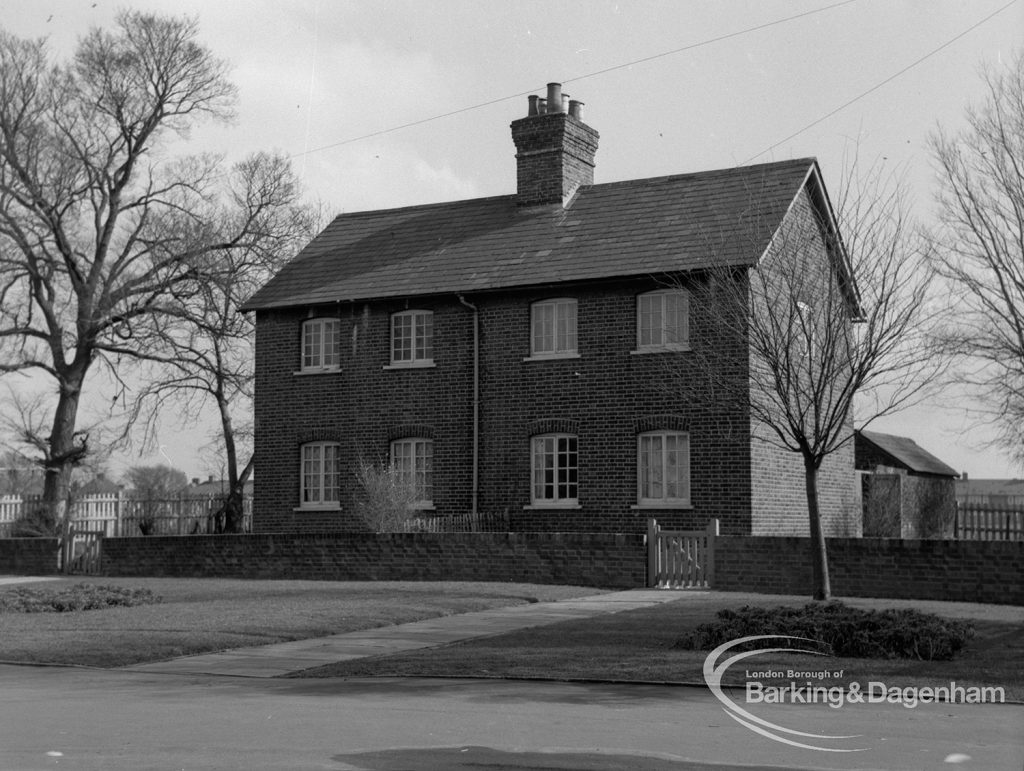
x: 199, y: 615
x: 637, y: 645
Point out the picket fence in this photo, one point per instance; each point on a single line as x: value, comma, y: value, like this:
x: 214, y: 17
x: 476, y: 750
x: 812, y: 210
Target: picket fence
x: 459, y: 523
x: 118, y: 515
x: 981, y: 522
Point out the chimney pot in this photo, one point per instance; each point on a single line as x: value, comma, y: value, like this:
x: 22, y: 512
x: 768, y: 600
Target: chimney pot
x: 554, y: 155
x: 533, y: 104
x: 555, y: 97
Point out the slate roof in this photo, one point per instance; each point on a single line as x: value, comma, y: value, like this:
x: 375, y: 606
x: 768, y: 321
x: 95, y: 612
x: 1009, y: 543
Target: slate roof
x: 639, y: 227
x: 907, y: 453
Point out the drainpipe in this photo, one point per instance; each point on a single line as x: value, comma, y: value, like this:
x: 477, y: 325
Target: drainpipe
x: 476, y: 400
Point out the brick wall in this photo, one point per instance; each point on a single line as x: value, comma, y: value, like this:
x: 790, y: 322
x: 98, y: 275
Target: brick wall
x: 586, y: 559
x: 607, y: 396
x: 28, y: 556
x: 779, y: 498
x: 965, y: 571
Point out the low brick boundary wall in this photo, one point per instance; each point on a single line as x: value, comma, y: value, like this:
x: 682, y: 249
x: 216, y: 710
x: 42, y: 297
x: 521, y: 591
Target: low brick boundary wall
x: 588, y: 559
x: 28, y: 556
x: 963, y: 571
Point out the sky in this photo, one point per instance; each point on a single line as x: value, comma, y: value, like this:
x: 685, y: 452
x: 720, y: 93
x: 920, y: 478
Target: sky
x: 386, y: 104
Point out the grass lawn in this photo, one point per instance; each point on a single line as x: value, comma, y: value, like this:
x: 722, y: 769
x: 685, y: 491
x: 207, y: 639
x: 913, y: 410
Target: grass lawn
x: 199, y: 615
x: 637, y: 645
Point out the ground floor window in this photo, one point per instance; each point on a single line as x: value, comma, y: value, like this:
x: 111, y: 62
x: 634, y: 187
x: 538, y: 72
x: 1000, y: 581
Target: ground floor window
x: 320, y: 474
x: 555, y: 469
x: 413, y: 459
x: 663, y: 468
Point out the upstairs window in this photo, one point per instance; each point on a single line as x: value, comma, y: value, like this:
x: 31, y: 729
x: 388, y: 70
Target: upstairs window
x: 413, y: 460
x: 553, y: 328
x: 321, y: 349
x: 662, y: 321
x: 555, y: 469
x: 412, y: 338
x: 663, y: 468
x: 320, y: 475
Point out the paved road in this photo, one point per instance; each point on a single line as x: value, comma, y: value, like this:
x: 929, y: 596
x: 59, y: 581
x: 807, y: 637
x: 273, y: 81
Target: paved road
x: 92, y: 719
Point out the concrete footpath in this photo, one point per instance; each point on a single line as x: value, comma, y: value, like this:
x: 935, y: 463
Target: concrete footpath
x: 282, y: 658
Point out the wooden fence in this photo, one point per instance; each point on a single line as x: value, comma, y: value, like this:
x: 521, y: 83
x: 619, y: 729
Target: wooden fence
x: 681, y: 559
x: 459, y: 523
x: 977, y: 522
x: 117, y: 515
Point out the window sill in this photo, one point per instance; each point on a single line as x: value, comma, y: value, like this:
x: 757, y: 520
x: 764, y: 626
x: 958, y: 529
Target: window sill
x: 553, y: 506
x: 331, y: 507
x: 662, y: 506
x: 660, y: 349
x: 318, y: 371
x: 424, y: 364
x: 551, y: 356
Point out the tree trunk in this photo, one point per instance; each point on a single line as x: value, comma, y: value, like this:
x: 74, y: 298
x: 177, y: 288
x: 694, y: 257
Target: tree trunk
x: 62, y: 455
x: 231, y: 516
x: 819, y: 556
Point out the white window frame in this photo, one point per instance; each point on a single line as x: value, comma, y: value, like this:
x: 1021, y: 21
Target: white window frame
x: 681, y: 469
x: 325, y: 490
x: 658, y: 333
x: 413, y: 459
x: 325, y: 354
x: 559, y: 340
x: 543, y: 447
x: 420, y: 339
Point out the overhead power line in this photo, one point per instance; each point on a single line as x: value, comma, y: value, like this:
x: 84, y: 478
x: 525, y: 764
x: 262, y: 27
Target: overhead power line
x: 879, y: 85
x: 577, y: 78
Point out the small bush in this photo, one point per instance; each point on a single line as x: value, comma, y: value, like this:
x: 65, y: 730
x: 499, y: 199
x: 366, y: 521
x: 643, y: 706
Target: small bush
x: 840, y: 630
x: 386, y: 498
x: 77, y: 597
x: 38, y: 523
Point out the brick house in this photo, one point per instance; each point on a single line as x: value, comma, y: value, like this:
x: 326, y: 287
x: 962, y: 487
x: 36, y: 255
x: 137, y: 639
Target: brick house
x: 508, y: 352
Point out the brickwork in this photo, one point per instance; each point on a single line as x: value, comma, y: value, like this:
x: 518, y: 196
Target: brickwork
x: 606, y: 396
x: 545, y: 558
x: 960, y: 571
x: 363, y: 407
x: 28, y: 556
x: 555, y: 155
x: 779, y: 497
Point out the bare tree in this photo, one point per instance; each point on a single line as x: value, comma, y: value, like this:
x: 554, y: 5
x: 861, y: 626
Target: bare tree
x: 980, y: 249
x: 102, y: 227
x: 206, y: 342
x: 836, y: 311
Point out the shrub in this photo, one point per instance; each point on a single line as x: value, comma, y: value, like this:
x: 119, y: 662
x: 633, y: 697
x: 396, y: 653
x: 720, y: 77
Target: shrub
x: 386, y: 498
x: 77, y: 597
x: 38, y: 523
x: 840, y: 630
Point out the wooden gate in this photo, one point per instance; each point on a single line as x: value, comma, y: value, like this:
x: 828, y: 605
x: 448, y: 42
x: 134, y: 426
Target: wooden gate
x: 681, y: 559
x: 82, y: 550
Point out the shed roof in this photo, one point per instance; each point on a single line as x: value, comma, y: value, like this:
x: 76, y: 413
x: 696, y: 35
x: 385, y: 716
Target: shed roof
x: 639, y: 227
x: 907, y: 453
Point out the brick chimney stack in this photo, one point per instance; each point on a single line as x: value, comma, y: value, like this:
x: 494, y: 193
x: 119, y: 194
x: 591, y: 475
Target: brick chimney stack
x: 554, y: 149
